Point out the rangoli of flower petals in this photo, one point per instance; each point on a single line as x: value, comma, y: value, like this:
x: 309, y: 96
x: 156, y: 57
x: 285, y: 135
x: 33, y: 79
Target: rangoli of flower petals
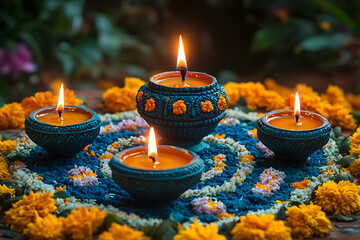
x: 269, y: 182
x: 243, y: 160
x: 82, y: 176
x: 207, y: 206
x: 218, y: 165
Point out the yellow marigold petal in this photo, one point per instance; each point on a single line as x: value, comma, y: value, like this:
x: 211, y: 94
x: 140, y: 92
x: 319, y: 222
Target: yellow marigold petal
x: 82, y: 223
x: 301, y: 185
x: 206, y: 107
x: 308, y: 221
x: 264, y: 227
x: 5, y: 189
x: 28, y: 209
x: 338, y: 198
x: 198, y: 232
x: 150, y: 105
x: 4, y: 172
x: 12, y: 116
x: 221, y: 103
x: 133, y: 82
x: 179, y: 107
x: 47, y: 228
x: 117, y: 231
x: 354, y: 168
x: 120, y: 99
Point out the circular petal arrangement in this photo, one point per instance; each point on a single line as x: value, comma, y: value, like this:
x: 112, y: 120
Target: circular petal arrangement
x: 239, y: 178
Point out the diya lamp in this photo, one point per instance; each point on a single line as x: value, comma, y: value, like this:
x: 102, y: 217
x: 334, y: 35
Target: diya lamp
x: 293, y: 135
x: 183, y: 106
x: 156, y: 173
x: 62, y: 130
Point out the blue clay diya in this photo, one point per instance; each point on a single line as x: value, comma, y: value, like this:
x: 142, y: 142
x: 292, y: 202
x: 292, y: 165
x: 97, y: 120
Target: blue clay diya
x: 66, y: 140
x: 156, y: 185
x: 182, y: 116
x: 293, y: 146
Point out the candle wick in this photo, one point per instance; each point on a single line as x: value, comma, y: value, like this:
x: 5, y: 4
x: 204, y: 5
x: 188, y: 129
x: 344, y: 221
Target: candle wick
x: 59, y: 114
x: 183, y: 71
x: 152, y: 158
x: 297, y: 116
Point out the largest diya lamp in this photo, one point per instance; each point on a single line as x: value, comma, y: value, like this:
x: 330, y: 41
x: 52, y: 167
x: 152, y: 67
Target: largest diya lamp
x: 182, y: 106
x: 292, y: 135
x: 62, y: 131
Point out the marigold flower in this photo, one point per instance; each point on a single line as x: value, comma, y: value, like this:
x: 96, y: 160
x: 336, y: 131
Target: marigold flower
x: 120, y: 99
x: 133, y: 82
x: 117, y: 231
x: 339, y: 115
x: 301, y: 185
x: 198, y: 232
x: 354, y: 168
x: 354, y: 100
x: 221, y: 103
x: 307, y: 221
x: 150, y: 105
x: 179, y: 107
x: 39, y: 100
x: 7, y: 146
x: 47, y: 228
x: 12, y: 115
x: 28, y: 209
x: 355, y: 143
x: 82, y: 223
x: 272, y: 85
x: 335, y: 95
x: 233, y: 95
x: 5, y: 189
x: 206, y: 107
x: 4, y: 172
x: 69, y: 98
x: 47, y: 99
x: 338, y: 198
x: 264, y: 227
x: 139, y: 95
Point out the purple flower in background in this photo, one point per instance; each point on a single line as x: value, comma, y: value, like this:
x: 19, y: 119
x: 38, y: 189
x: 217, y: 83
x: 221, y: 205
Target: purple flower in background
x: 16, y: 61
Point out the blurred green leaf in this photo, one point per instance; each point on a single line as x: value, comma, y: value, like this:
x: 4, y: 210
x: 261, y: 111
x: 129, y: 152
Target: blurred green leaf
x: 109, y: 37
x: 268, y: 37
x: 336, y: 12
x: 68, y: 65
x: 356, y: 116
x: 73, y: 10
x: 88, y: 52
x: 333, y: 41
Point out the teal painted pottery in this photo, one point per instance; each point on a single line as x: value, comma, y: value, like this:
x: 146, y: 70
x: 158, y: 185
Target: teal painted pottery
x: 156, y: 185
x: 182, y: 116
x: 293, y: 146
x: 63, y: 141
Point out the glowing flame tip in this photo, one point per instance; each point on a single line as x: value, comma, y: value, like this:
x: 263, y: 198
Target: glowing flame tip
x: 152, y: 148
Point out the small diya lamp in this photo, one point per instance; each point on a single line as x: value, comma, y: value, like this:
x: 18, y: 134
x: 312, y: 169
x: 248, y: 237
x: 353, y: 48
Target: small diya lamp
x: 182, y: 106
x: 156, y: 173
x: 62, y: 130
x: 293, y: 135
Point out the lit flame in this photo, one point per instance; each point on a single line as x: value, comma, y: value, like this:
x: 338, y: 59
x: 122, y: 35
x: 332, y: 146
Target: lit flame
x: 152, y: 148
x: 297, y: 105
x: 181, y: 59
x: 60, y: 107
